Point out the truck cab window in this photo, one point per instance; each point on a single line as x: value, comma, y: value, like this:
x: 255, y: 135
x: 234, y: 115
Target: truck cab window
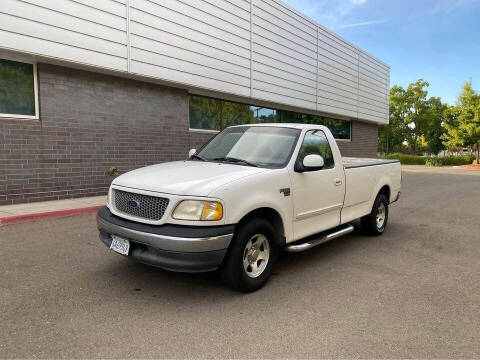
x: 263, y: 146
x: 316, y: 143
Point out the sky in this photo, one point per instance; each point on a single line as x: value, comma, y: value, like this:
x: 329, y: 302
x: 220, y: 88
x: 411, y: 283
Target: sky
x: 437, y: 40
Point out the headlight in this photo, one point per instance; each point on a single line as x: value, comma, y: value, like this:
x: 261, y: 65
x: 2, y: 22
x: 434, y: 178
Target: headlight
x: 198, y: 210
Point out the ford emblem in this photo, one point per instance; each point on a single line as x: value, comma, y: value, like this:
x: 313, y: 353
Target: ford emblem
x: 133, y: 203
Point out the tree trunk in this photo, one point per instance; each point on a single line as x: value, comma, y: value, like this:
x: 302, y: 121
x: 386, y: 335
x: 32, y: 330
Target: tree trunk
x: 478, y: 153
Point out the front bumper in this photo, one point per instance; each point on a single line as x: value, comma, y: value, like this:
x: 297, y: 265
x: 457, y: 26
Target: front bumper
x: 171, y: 247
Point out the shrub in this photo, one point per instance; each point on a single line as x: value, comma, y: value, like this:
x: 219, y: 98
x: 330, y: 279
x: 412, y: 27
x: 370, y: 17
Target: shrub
x: 406, y: 159
x: 453, y: 160
x: 450, y: 160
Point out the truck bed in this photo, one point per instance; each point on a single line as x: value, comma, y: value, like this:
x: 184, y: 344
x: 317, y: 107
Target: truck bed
x: 364, y: 178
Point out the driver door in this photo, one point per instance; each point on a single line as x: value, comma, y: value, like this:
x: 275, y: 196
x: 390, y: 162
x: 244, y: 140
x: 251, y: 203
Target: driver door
x: 318, y: 195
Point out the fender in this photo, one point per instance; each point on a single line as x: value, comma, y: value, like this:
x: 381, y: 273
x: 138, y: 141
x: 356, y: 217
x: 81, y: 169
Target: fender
x: 389, y: 177
x: 383, y: 181
x: 266, y: 190
x: 287, y: 226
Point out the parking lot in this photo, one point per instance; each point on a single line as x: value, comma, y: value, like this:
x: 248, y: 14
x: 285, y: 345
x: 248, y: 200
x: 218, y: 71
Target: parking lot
x: 414, y: 292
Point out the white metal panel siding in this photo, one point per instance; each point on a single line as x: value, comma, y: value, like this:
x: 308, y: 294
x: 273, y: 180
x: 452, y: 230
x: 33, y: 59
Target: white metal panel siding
x: 337, y: 75
x: 374, y: 86
x: 196, y: 42
x: 84, y: 31
x: 262, y: 49
x: 284, y: 55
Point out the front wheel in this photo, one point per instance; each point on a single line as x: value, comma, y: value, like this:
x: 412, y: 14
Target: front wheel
x: 251, y: 257
x: 376, y: 222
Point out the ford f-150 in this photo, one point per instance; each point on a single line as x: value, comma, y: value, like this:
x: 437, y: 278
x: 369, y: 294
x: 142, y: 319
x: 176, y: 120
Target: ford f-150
x: 250, y: 192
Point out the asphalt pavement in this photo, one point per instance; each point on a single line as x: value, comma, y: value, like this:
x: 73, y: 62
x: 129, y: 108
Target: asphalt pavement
x: 413, y: 292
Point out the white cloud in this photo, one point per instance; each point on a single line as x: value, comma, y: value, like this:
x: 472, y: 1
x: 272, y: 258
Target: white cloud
x: 442, y: 9
x: 341, y: 14
x: 447, y: 6
x: 362, y: 23
x: 333, y: 14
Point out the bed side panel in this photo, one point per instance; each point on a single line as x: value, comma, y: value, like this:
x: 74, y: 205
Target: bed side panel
x: 363, y: 185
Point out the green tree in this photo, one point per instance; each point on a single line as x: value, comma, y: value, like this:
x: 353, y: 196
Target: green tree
x: 416, y: 112
x: 451, y: 136
x: 462, y: 123
x: 434, y: 125
x: 414, y: 120
x: 392, y: 136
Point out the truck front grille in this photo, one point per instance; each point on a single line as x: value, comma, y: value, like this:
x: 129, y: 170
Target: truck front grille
x: 140, y: 206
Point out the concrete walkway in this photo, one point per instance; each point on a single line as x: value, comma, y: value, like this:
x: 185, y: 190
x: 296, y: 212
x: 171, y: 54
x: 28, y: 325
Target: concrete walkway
x: 13, y: 214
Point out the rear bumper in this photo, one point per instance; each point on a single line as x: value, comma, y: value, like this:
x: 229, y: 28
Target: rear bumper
x: 171, y: 247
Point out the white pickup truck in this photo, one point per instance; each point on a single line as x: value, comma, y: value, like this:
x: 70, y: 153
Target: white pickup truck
x: 250, y: 192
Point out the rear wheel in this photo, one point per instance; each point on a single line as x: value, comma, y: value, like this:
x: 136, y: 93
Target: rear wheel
x: 376, y: 222
x: 251, y: 257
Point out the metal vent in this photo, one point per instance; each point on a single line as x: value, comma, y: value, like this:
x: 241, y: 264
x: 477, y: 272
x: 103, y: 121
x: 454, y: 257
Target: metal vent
x: 141, y: 206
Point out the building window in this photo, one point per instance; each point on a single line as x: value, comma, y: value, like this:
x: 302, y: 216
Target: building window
x: 18, y: 90
x: 213, y: 114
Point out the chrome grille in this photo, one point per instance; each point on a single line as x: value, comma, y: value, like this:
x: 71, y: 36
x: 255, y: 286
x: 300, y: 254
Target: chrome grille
x: 138, y: 205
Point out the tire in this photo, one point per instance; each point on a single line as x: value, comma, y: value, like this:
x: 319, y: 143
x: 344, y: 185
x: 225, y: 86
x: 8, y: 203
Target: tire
x: 376, y: 222
x: 245, y: 267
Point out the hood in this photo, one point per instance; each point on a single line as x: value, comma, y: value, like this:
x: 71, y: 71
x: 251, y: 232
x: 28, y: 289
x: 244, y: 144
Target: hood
x: 195, y: 178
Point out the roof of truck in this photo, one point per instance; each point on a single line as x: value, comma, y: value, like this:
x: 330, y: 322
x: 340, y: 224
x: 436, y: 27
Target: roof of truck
x: 286, y: 125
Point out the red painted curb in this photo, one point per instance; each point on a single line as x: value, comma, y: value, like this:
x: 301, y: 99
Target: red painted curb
x: 15, y: 219
x: 471, y: 167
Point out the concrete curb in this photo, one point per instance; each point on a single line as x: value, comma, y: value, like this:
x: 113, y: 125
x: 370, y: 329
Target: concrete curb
x: 16, y: 219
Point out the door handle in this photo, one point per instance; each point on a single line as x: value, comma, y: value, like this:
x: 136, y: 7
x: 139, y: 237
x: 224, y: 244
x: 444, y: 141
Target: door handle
x: 338, y: 182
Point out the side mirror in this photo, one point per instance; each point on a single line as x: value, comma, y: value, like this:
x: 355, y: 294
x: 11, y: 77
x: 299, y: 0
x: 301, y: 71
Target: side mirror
x: 191, y: 153
x: 310, y: 163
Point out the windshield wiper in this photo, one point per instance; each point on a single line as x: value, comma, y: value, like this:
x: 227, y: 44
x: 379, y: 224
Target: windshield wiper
x: 198, y: 157
x: 235, y: 160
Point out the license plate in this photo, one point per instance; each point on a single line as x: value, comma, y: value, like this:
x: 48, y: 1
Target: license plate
x: 122, y: 246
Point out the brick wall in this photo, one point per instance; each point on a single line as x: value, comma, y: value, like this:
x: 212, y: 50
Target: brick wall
x: 198, y: 139
x: 89, y: 122
x: 364, y: 141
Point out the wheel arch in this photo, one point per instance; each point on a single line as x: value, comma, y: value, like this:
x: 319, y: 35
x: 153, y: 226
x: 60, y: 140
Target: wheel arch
x: 272, y: 216
x: 382, y: 188
x: 385, y: 190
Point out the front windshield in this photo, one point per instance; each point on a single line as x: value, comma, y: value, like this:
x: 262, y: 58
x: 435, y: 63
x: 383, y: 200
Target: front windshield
x: 263, y: 146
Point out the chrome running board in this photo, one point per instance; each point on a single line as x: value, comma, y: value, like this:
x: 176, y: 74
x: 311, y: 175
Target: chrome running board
x: 323, y: 239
